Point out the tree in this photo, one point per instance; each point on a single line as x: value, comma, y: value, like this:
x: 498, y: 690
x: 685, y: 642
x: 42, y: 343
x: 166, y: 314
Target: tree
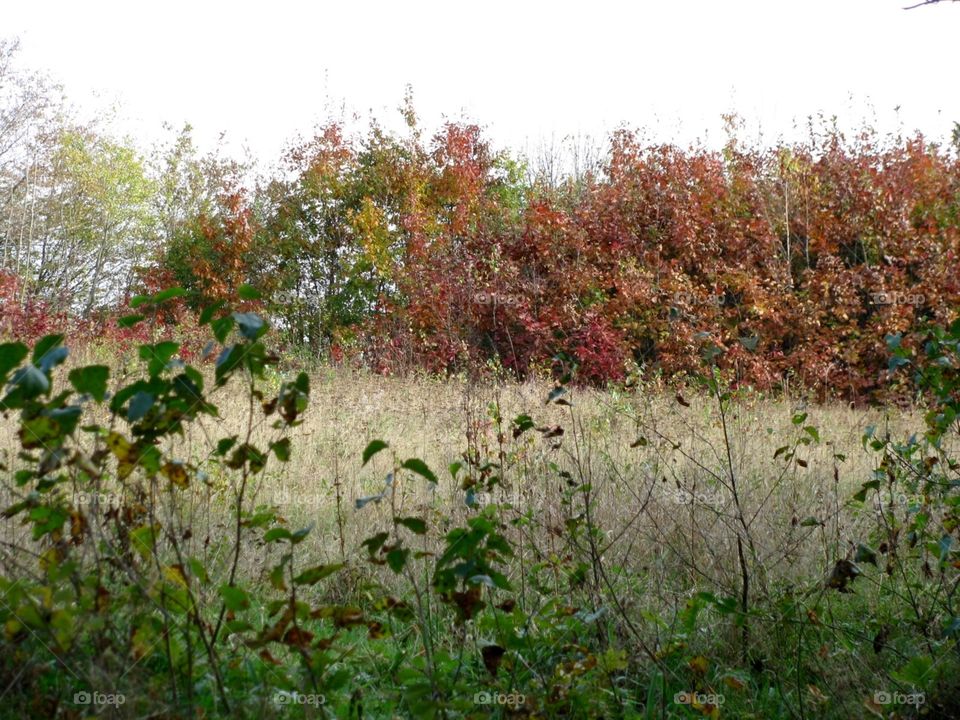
x: 96, y: 219
x: 28, y: 107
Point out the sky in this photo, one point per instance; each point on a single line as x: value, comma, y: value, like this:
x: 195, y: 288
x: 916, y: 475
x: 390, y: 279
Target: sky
x: 528, y: 71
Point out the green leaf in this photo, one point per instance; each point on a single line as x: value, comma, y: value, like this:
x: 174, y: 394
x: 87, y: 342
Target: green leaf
x: 47, y: 520
x: 140, y: 405
x: 315, y: 574
x: 397, y: 559
x: 556, y: 393
x: 951, y: 627
x: 276, y: 534
x: 225, y: 444
x: 228, y: 361
x: 250, y: 325
x: 234, y: 598
x: 415, y: 525
x: 865, y: 554
x: 302, y: 383
x: 39, y: 431
x: 90, y: 380
x: 373, y: 544
x: 45, y: 345
x: 11, y: 355
x: 128, y: 321
x: 198, y: 570
x: 419, y: 467
x: 861, y: 495
x: 249, y: 292
x: 168, y: 294
x: 944, y: 547
x: 222, y: 327
x: 52, y: 358
x: 522, y: 423
x: 161, y: 352
x: 372, y: 449
x: 362, y: 502
x: 30, y: 382
x: 915, y: 672
x: 277, y: 576
x: 301, y: 534
x: 143, y: 539
x: 206, y: 315
x: 281, y: 448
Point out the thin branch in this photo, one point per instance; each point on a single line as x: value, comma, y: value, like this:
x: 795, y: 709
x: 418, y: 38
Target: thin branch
x: 927, y: 2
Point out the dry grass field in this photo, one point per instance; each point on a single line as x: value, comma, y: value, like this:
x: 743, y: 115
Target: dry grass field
x: 679, y: 498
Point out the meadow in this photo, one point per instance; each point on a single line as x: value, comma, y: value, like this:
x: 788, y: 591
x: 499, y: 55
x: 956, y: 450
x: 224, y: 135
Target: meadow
x: 425, y: 546
x: 400, y: 423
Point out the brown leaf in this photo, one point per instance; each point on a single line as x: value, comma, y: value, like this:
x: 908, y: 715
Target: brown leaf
x: 843, y: 573
x: 880, y: 639
x: 492, y: 656
x: 78, y: 527
x: 376, y: 631
x: 175, y: 473
x: 469, y: 602
x: 103, y: 598
x: 298, y: 637
x: 267, y: 657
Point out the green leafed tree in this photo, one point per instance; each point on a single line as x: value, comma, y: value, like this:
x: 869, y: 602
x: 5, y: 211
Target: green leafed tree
x: 95, y: 221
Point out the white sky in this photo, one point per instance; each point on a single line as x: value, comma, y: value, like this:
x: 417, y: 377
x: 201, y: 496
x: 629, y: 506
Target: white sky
x: 263, y: 71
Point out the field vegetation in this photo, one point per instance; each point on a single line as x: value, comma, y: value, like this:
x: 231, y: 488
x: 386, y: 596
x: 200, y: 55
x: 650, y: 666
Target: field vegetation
x: 410, y: 426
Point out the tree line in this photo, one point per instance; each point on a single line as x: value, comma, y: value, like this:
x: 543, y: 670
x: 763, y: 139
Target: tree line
x: 437, y: 250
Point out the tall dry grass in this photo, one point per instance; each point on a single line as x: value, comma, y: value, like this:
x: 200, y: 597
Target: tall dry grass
x: 686, y: 513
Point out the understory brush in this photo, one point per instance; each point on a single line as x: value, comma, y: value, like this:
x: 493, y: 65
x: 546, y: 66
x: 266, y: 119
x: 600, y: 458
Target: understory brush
x: 183, y: 543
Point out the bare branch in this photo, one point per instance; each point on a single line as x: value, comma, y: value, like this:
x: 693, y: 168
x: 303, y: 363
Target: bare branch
x: 928, y: 2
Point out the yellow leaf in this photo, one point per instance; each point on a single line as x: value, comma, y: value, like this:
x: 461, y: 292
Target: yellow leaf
x: 174, y: 573
x: 12, y: 627
x: 699, y: 664
x: 119, y: 446
x: 125, y: 453
x: 613, y: 660
x: 733, y: 682
x: 175, y: 473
